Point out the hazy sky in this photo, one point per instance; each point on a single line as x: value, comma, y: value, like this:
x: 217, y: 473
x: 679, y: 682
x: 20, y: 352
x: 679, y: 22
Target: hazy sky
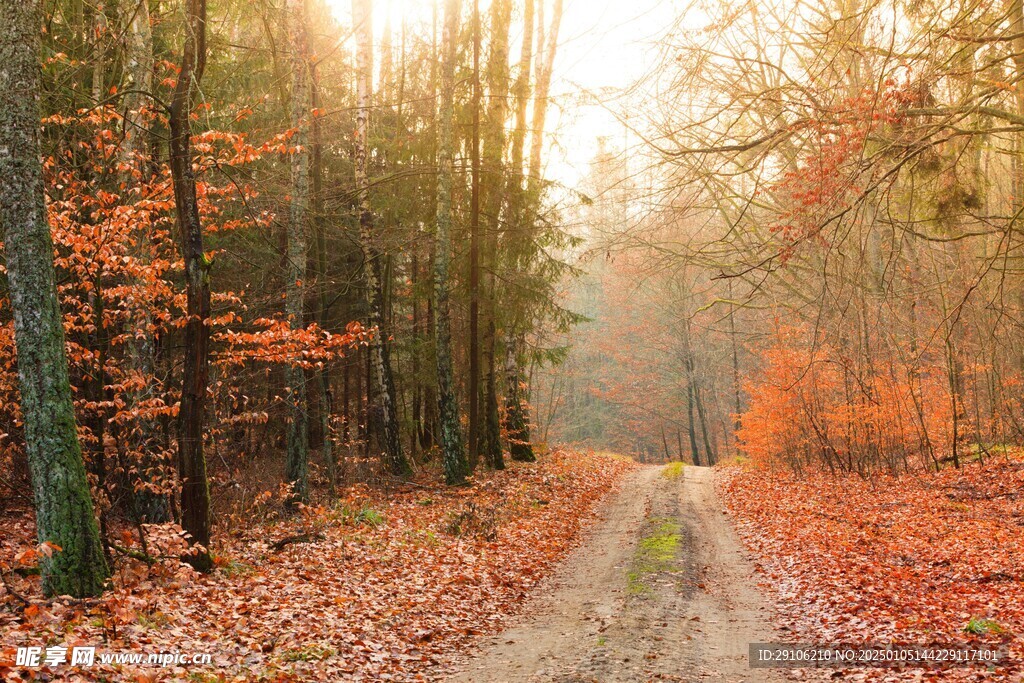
x: 605, y: 44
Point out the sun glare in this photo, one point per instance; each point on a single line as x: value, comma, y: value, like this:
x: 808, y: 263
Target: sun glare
x: 413, y: 13
x: 605, y: 46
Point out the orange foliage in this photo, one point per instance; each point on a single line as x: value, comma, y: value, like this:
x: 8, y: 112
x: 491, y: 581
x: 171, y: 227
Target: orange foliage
x: 810, y: 403
x: 120, y: 285
x: 830, y: 180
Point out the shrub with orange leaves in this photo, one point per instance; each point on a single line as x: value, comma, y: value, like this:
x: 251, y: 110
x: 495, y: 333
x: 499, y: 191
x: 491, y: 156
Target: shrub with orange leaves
x: 811, y: 404
x: 121, y: 291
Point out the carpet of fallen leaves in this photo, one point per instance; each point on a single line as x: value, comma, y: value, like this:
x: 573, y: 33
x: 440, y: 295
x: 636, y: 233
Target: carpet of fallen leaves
x: 908, y: 559
x: 389, y: 584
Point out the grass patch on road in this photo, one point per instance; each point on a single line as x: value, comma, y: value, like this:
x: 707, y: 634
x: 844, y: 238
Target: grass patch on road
x: 655, y: 553
x: 673, y: 470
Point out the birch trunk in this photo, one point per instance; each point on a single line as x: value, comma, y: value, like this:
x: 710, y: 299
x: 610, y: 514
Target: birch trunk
x: 151, y: 504
x: 385, y: 414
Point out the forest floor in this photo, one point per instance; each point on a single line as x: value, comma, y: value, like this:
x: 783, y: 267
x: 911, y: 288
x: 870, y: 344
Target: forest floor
x: 379, y: 584
x: 575, y: 569
x: 924, y: 558
x: 659, y: 591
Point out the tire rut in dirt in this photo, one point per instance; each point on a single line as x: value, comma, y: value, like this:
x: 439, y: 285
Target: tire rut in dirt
x: 647, y: 642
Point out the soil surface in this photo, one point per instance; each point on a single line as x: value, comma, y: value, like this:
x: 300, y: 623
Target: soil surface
x: 660, y: 590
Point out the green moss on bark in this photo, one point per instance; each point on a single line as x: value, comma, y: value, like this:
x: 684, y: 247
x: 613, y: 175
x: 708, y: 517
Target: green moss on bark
x: 64, y: 511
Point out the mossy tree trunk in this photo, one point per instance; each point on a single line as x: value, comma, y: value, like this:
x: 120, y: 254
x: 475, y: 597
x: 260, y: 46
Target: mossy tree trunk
x: 297, y: 463
x: 456, y: 466
x: 491, y: 200
x: 517, y: 415
x: 64, y: 510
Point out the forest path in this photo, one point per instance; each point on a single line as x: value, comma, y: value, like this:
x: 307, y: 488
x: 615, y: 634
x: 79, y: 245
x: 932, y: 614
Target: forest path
x: 659, y: 591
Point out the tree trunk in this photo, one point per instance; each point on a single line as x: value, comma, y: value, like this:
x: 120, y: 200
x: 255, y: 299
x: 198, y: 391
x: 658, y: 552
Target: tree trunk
x: 99, y: 62
x: 737, y: 405
x: 709, y: 450
x: 474, y: 254
x: 491, y: 198
x: 195, y: 489
x: 417, y: 350
x: 323, y: 298
x: 149, y: 503
x: 517, y: 424
x: 297, y: 463
x: 370, y: 420
x: 429, y: 429
x: 545, y: 61
x: 346, y: 400
x: 521, y: 90
x: 385, y: 414
x: 692, y: 423
x: 428, y: 423
x: 1016, y: 17
x: 140, y: 69
x: 456, y: 467
x: 64, y: 510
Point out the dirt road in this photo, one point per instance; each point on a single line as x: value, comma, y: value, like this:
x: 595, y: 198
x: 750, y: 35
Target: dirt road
x: 659, y: 591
